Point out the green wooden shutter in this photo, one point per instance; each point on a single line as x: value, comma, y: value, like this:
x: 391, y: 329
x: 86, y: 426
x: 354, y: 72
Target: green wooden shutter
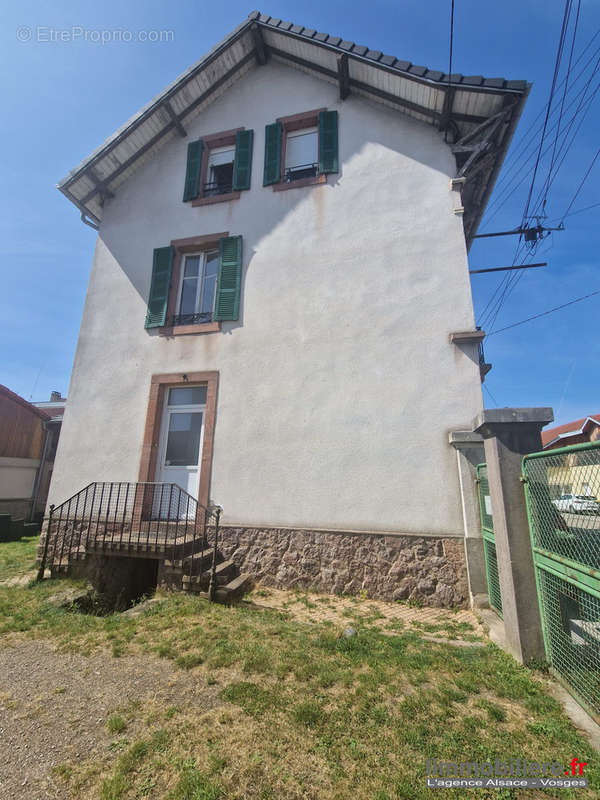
x: 328, y: 141
x: 159, y: 288
x: 192, y: 172
x: 229, y: 279
x: 243, y: 160
x: 273, y: 135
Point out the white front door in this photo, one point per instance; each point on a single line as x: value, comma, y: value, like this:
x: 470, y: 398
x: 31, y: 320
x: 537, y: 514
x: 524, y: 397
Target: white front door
x: 181, y: 436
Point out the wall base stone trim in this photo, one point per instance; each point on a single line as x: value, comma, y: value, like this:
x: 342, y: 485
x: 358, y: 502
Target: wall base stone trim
x: 427, y: 570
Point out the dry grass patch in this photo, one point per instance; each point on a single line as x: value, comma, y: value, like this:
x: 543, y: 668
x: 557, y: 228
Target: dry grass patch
x: 297, y: 709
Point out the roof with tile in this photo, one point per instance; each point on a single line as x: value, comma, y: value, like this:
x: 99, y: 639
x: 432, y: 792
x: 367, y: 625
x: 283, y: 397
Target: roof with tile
x: 461, y: 104
x: 577, y: 426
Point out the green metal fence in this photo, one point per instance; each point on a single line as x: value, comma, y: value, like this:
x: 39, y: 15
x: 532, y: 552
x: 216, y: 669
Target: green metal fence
x: 489, y: 543
x: 562, y: 489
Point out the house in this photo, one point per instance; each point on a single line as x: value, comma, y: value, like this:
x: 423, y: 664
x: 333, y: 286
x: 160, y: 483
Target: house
x: 573, y: 473
x: 24, y: 431
x: 279, y: 316
x: 586, y: 429
x: 55, y: 407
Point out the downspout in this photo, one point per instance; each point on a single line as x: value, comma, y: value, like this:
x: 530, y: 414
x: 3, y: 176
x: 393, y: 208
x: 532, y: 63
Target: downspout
x: 40, y: 472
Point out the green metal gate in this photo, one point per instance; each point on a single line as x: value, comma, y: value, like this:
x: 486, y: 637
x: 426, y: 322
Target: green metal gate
x: 489, y: 543
x: 562, y: 489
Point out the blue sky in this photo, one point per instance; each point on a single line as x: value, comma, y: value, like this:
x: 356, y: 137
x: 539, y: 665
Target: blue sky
x: 62, y: 99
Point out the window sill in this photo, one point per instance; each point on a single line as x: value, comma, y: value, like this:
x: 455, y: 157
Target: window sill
x: 314, y: 181
x: 186, y: 330
x: 217, y: 198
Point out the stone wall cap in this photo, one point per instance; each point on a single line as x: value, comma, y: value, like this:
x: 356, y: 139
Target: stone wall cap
x: 502, y: 416
x: 460, y: 439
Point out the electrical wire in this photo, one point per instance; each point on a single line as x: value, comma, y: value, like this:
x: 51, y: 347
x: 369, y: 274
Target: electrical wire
x: 545, y: 313
x: 580, y: 187
x: 557, y: 61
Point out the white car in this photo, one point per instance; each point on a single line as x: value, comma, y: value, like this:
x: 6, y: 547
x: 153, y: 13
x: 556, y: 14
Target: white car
x: 577, y: 502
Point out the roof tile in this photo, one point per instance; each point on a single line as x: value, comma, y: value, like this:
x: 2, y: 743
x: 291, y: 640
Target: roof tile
x: 374, y: 54
x: 359, y: 49
x: 472, y: 80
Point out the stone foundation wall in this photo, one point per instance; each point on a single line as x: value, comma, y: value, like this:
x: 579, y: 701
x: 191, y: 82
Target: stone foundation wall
x: 428, y: 570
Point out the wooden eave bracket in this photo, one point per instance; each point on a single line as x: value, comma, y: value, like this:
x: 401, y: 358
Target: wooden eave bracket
x: 169, y: 109
x: 262, y: 55
x: 343, y: 75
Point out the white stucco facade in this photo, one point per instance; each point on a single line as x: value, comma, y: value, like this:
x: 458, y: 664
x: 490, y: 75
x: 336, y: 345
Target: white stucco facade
x: 338, y: 385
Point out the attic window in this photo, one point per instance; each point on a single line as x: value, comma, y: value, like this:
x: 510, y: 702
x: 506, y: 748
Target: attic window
x: 302, y: 154
x: 220, y: 171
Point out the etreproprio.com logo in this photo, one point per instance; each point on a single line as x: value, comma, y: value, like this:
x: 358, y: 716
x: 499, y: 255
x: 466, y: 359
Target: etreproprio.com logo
x: 517, y: 773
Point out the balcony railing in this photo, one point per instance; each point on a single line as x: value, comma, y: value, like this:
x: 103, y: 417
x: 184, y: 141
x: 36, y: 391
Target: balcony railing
x: 301, y: 171
x: 213, y: 188
x: 192, y: 319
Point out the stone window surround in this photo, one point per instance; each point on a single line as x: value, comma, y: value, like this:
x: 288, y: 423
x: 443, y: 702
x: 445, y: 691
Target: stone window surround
x: 222, y: 139
x: 159, y: 385
x: 296, y: 122
x: 192, y: 244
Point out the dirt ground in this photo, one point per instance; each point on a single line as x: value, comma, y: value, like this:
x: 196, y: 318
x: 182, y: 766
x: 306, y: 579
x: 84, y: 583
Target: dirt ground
x: 54, y: 707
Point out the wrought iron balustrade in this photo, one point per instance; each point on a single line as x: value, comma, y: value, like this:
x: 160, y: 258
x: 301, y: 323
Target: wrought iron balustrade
x: 192, y: 319
x: 213, y: 188
x: 151, y: 520
x: 301, y: 171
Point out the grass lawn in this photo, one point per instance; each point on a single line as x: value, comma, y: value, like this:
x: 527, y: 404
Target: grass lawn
x: 17, y: 557
x: 302, y: 711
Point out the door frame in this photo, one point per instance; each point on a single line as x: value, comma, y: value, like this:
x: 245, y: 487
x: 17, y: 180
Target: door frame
x: 159, y: 385
x: 163, y: 434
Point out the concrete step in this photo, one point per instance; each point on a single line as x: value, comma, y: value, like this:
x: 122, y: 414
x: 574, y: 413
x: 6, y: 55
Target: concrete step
x: 232, y: 591
x: 225, y: 572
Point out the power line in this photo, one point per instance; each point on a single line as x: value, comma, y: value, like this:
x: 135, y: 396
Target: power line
x: 490, y: 394
x: 549, y: 105
x: 562, y: 104
x: 583, y: 180
x: 545, y: 313
x: 522, y: 143
x: 504, y: 194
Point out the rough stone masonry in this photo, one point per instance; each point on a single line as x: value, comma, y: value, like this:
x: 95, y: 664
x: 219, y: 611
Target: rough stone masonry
x: 428, y: 570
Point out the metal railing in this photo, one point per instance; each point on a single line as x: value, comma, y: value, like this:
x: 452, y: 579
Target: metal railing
x: 151, y: 520
x: 212, y: 188
x: 562, y: 490
x: 301, y: 171
x: 191, y: 319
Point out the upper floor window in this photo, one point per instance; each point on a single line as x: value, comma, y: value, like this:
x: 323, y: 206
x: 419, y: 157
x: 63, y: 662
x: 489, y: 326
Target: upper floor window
x: 196, y: 284
x: 218, y: 167
x: 220, y: 171
x: 196, y: 299
x: 301, y: 154
x: 301, y: 150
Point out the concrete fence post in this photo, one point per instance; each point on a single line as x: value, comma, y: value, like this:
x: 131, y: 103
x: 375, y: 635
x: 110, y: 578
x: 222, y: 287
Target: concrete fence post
x: 509, y: 434
x: 469, y: 453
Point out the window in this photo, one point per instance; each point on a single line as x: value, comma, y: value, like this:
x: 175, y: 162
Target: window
x: 220, y: 171
x: 195, y: 284
x: 197, y: 291
x: 301, y: 150
x: 301, y: 154
x: 219, y: 167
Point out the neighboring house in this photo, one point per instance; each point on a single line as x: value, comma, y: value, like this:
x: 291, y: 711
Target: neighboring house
x: 279, y: 314
x: 55, y: 407
x: 572, y: 475
x: 23, y: 445
x: 586, y: 429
